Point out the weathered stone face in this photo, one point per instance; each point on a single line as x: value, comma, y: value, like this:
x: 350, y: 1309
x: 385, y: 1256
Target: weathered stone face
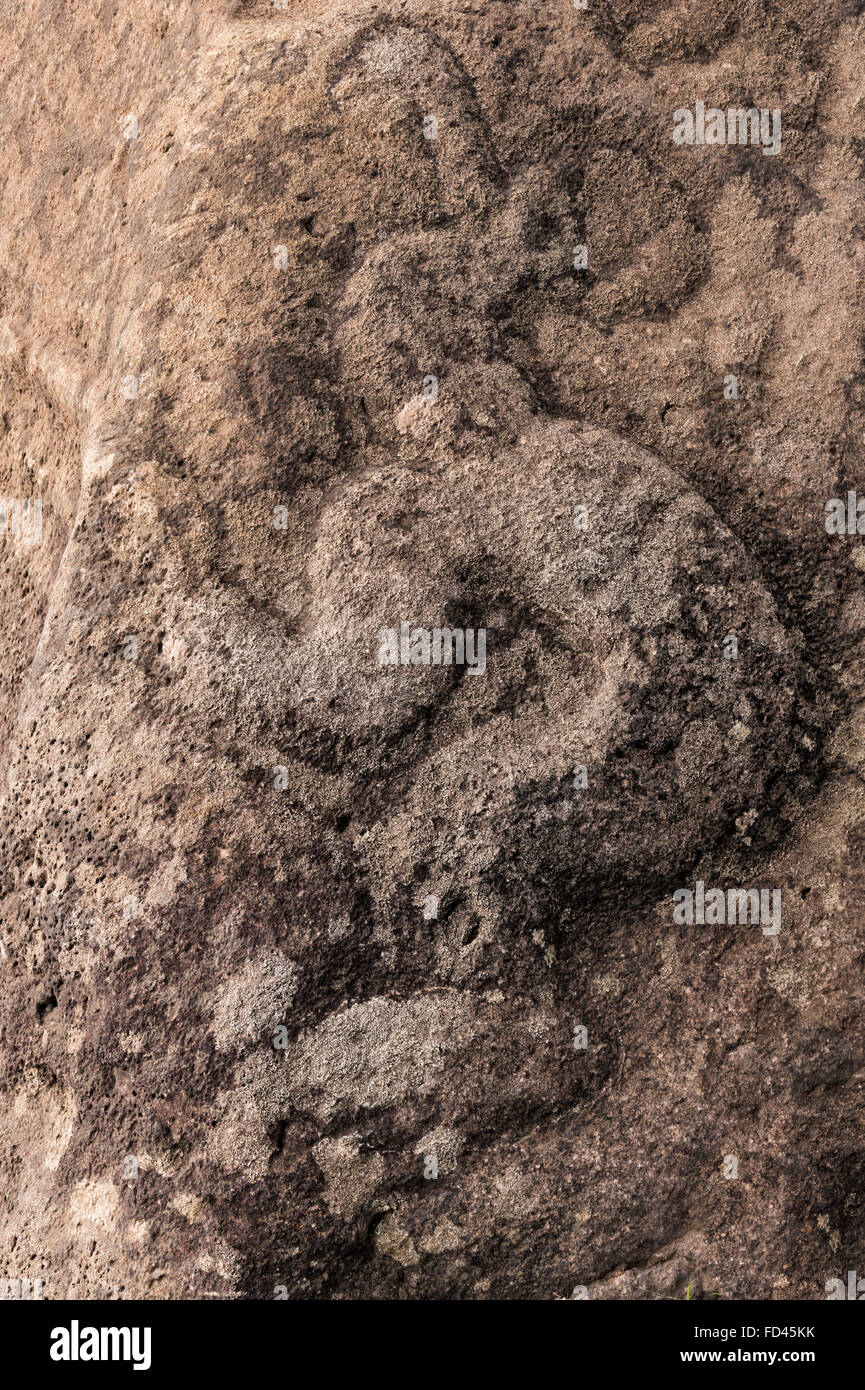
x: 297, y: 944
x: 604, y: 652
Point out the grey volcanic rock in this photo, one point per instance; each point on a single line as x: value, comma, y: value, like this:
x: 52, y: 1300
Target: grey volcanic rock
x: 604, y: 651
x: 296, y: 946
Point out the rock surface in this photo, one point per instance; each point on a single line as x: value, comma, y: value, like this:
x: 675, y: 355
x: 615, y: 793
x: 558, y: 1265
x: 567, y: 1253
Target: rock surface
x: 296, y: 946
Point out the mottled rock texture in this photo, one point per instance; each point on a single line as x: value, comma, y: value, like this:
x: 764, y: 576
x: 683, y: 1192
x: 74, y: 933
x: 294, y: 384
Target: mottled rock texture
x: 278, y: 924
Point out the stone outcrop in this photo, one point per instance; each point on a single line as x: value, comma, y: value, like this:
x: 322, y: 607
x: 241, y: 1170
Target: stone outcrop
x: 296, y: 946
